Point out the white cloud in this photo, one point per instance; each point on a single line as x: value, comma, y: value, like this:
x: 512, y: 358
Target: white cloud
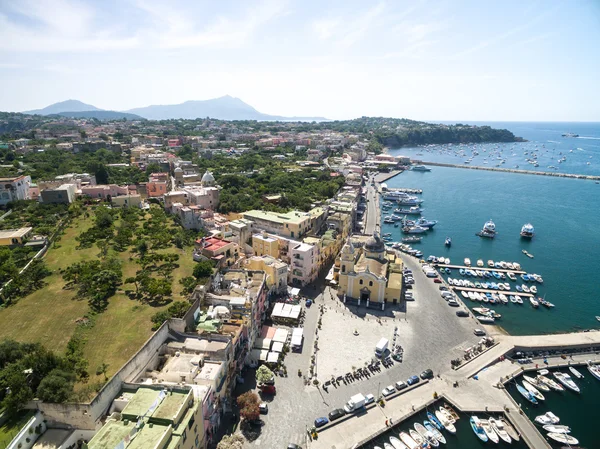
x: 325, y: 28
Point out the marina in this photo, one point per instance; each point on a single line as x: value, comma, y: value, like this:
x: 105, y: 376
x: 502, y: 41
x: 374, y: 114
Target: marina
x: 464, y: 267
x: 482, y: 290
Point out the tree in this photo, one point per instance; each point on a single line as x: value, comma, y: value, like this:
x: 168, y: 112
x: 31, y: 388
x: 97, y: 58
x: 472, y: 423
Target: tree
x: 55, y: 388
x: 203, y: 269
x: 264, y: 375
x: 189, y: 284
x: 248, y: 404
x: 102, y: 369
x: 234, y: 441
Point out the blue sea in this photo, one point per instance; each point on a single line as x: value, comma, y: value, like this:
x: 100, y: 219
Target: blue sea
x: 565, y: 214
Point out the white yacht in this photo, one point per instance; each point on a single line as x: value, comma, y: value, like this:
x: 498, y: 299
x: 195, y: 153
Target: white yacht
x: 566, y: 380
x: 527, y: 231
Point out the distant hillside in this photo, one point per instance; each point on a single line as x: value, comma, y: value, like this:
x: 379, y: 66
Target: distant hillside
x: 69, y: 105
x: 223, y: 108
x: 100, y: 115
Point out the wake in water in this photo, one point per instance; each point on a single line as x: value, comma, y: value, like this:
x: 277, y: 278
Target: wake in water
x: 584, y: 137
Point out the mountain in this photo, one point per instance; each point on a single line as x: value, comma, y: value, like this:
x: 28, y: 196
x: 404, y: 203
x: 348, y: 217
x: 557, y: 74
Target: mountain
x: 100, y: 115
x: 224, y: 108
x: 69, y: 105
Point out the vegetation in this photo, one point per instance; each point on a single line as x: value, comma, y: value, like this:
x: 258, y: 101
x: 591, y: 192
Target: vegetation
x: 176, y: 310
x: 248, y: 404
x: 234, y: 441
x: 264, y: 375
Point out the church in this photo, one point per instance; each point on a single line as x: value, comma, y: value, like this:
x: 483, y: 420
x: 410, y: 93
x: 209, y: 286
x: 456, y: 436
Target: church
x: 368, y: 274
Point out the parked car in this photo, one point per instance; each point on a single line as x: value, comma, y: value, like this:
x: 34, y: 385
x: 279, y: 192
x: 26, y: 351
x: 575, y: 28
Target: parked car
x: 412, y: 380
x: 268, y: 389
x: 308, y: 303
x: 443, y: 288
x: 452, y: 302
x: 479, y: 332
x: 388, y: 390
x: 263, y: 408
x: 437, y: 281
x: 320, y: 422
x: 462, y: 313
x: 400, y: 385
x: 369, y: 398
x: 293, y: 446
x: 409, y: 296
x: 336, y: 414
x: 427, y: 374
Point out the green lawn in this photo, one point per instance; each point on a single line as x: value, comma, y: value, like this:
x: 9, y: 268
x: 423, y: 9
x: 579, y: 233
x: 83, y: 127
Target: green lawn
x: 49, y: 315
x: 12, y: 427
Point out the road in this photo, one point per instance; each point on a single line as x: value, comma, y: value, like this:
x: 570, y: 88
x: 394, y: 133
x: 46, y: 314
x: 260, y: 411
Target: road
x: 373, y: 217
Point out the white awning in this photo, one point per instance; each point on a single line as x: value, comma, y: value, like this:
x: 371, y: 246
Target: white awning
x: 280, y: 335
x: 263, y: 343
x: 273, y: 357
x: 277, y: 347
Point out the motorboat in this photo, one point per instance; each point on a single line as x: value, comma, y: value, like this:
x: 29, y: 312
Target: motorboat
x: 485, y: 319
x: 517, y: 266
x: 414, y: 210
x: 397, y: 444
x: 436, y: 433
x: 490, y: 263
x: 407, y: 440
x: 534, y: 391
x: 527, y: 254
x: 535, y: 382
x: 512, y: 432
x: 480, y: 263
x: 511, y: 276
x: 449, y: 415
x: 467, y: 262
x: 547, y: 418
x: 576, y: 373
x: 488, y: 230
x: 412, y: 239
x: 593, y: 369
x: 426, y: 434
x: 518, y: 299
x: 418, y: 438
x: 387, y: 446
x: 445, y: 422
x: 424, y: 223
x: 421, y: 168
x: 563, y: 438
x: 414, y: 230
x: 526, y: 394
x: 556, y: 428
x: 534, y: 302
x: 533, y: 289
x: 525, y: 288
x: 566, y: 380
x: 478, y: 429
x: 549, y: 382
x: 510, y: 265
x: 448, y: 241
x: 527, y: 231
x: 436, y: 422
x: 489, y: 431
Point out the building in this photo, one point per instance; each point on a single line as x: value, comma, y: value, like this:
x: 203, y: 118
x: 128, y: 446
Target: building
x: 156, y: 416
x: 263, y: 244
x: 127, y: 201
x: 369, y: 275
x: 64, y: 194
x: 223, y: 252
x: 104, y: 191
x: 275, y: 270
x: 9, y: 237
x: 293, y: 224
x: 241, y: 230
x: 304, y: 264
x: 14, y: 188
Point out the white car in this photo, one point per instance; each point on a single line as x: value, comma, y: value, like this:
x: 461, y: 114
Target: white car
x: 452, y: 302
x: 369, y: 398
x: 479, y: 332
x: 388, y: 390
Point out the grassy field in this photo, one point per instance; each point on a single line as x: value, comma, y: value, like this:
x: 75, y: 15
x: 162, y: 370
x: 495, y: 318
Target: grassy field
x: 11, y: 428
x: 49, y: 315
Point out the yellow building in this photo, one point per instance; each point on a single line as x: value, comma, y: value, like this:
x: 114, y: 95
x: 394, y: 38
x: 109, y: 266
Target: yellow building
x: 368, y: 275
x: 293, y: 224
x: 10, y: 237
x: 276, y: 271
x: 265, y: 245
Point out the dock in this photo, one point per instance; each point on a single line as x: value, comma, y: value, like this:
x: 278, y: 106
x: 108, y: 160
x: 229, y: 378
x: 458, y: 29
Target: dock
x: 483, y: 290
x: 383, y: 176
x: 497, y: 270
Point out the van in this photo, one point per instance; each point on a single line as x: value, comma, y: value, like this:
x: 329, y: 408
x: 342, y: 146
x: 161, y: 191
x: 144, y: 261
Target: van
x: 381, y: 347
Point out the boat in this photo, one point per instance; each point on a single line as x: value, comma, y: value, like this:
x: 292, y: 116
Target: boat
x: 419, y: 439
x: 488, y: 230
x: 412, y: 239
x: 448, y: 241
x: 490, y: 263
x: 509, y: 429
x: 534, y: 302
x: 435, y: 432
x: 397, y: 444
x: 424, y: 223
x: 433, y: 420
x: 526, y: 394
x: 420, y: 168
x: 534, y: 391
x: 450, y: 411
x: 593, y: 369
x: 446, y: 423
x: 387, y: 446
x: 556, y: 428
x: 414, y: 230
x: 547, y: 418
x: 549, y: 382
x: 518, y: 299
x: 566, y: 380
x: 485, y: 319
x: 511, y: 276
x: 576, y: 373
x: 527, y: 231
x: 478, y: 429
x: 414, y: 210
x: 527, y: 254
x: 563, y: 438
x: 535, y: 382
x: 489, y: 431
x: 479, y: 262
x: 426, y: 434
x: 407, y: 440
x: 486, y: 234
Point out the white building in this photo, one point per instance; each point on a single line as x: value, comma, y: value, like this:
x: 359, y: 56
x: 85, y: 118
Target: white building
x: 13, y: 189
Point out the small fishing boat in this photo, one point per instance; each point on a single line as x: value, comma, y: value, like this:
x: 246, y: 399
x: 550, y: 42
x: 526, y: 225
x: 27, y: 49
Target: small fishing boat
x: 448, y: 241
x: 436, y: 433
x: 526, y: 394
x: 387, y: 446
x: 535, y: 382
x: 397, y: 444
x: 451, y: 412
x: 563, y: 438
x: 534, y: 391
x: 576, y: 373
x: 431, y: 417
x: 566, y: 380
x: 511, y: 276
x: 593, y: 369
x: 547, y: 418
x: 478, y: 429
x: 426, y: 434
x: 407, y: 440
x: 467, y: 262
x: 480, y: 262
x: 490, y: 263
x: 533, y: 289
x: 534, y: 303
x: 512, y: 432
x: 489, y: 431
x: 498, y: 427
x: 419, y: 439
x: 447, y: 424
x: 527, y: 254
x: 518, y: 299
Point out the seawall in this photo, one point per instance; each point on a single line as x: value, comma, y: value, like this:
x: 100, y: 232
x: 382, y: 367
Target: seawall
x: 513, y: 170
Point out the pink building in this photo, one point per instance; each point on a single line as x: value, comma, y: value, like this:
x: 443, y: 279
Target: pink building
x: 104, y: 191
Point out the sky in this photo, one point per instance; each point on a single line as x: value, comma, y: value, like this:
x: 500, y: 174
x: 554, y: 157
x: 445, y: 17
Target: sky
x: 426, y: 60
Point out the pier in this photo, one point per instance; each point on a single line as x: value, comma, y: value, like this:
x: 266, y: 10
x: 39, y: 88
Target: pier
x: 384, y: 176
x: 514, y: 170
x: 489, y: 270
x: 483, y: 290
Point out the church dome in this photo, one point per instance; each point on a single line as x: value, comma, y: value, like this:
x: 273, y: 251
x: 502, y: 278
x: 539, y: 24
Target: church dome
x: 208, y: 178
x: 375, y: 244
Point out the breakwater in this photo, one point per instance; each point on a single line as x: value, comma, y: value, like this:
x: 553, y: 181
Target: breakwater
x: 512, y: 170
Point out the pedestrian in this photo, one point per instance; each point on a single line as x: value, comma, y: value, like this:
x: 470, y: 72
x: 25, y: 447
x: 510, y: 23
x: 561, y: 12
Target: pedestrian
x: 390, y: 421
x: 386, y: 423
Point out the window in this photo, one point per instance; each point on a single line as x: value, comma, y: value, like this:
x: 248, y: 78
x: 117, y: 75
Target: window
x: 361, y: 282
x: 191, y: 423
x: 196, y: 442
x: 184, y: 436
x: 370, y: 283
x: 343, y: 268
